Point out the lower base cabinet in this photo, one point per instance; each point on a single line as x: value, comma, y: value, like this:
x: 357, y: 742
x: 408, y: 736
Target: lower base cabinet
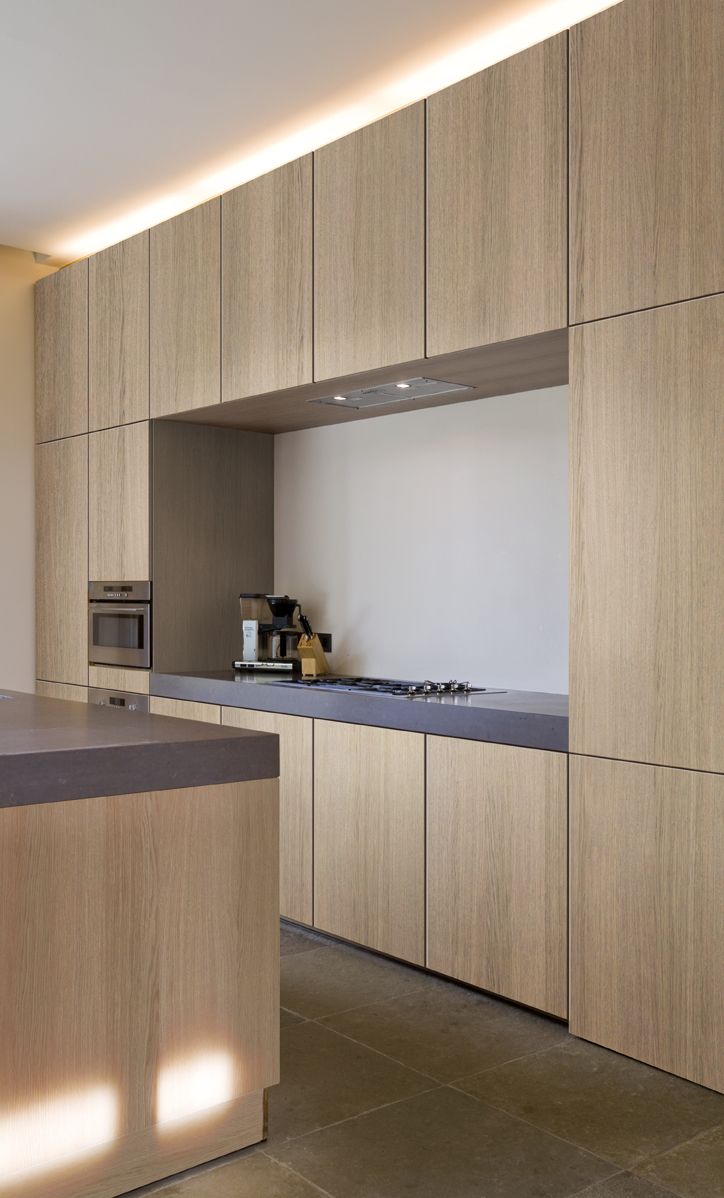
x: 295, y: 803
x: 496, y: 869
x: 61, y: 690
x: 186, y: 709
x: 369, y: 837
x: 647, y: 914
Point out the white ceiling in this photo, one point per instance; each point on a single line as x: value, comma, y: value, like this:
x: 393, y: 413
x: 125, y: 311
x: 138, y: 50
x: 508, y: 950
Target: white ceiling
x: 115, y: 114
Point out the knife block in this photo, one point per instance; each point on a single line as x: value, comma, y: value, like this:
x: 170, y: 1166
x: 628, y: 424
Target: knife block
x: 311, y: 656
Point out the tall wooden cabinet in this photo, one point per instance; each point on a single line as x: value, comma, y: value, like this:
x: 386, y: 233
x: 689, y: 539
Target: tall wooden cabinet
x: 369, y: 837
x: 496, y: 869
x: 61, y: 353
x: 61, y: 561
x: 119, y: 485
x: 647, y: 914
x: 266, y: 283
x: 647, y: 512
x: 647, y: 156
x: 496, y: 202
x: 185, y: 310
x: 369, y: 247
x: 118, y: 334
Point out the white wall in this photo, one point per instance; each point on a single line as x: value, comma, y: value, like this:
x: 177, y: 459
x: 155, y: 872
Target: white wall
x: 18, y: 272
x: 434, y: 543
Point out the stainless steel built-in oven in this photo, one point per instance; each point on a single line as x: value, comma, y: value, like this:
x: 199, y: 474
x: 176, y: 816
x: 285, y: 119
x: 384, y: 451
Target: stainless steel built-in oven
x: 119, y: 624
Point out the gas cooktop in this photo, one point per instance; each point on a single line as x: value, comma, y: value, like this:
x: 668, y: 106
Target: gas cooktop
x: 390, y: 686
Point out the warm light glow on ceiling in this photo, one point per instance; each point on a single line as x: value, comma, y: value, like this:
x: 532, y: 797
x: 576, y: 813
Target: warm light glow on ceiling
x: 545, y: 18
x: 193, y: 1086
x: 56, y: 1131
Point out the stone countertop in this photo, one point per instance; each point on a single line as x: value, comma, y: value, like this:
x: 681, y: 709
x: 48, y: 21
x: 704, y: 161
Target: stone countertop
x: 526, y: 718
x: 54, y: 749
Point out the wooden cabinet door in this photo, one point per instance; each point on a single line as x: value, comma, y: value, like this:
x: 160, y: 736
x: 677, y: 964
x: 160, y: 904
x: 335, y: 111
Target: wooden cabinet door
x: 647, y: 912
x: 496, y: 869
x: 647, y: 156
x: 185, y: 336
x: 647, y: 511
x: 369, y: 246
x: 118, y: 334
x: 119, y: 490
x: 266, y: 282
x: 369, y: 837
x: 295, y: 803
x: 497, y: 201
x: 61, y: 560
x: 61, y: 353
x: 62, y: 690
x: 186, y: 709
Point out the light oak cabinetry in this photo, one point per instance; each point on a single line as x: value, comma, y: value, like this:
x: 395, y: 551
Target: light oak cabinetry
x: 61, y: 353
x: 119, y: 495
x: 185, y: 307
x: 266, y: 282
x: 119, y: 678
x: 186, y: 709
x: 61, y: 561
x: 369, y: 837
x: 497, y: 202
x: 496, y: 869
x: 647, y: 156
x: 62, y: 690
x: 296, y: 803
x: 647, y: 913
x: 118, y: 334
x: 647, y: 508
x: 369, y: 246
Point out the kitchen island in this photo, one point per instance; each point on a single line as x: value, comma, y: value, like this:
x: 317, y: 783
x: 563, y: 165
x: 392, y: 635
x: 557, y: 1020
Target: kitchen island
x: 139, y: 937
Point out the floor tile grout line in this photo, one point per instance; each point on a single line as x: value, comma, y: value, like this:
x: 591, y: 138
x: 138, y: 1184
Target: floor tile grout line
x: 648, y: 1160
x: 468, y: 1077
x: 378, y: 1052
x: 361, y: 1006
x: 593, y: 1186
x: 301, y: 1176
x: 351, y: 1118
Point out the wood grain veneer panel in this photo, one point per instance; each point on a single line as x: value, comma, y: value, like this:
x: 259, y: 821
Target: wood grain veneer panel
x: 61, y: 561
x: 369, y: 246
x: 118, y: 322
x: 647, y: 555
x: 185, y: 337
x: 186, y: 709
x: 116, y: 678
x: 497, y: 202
x: 62, y: 690
x: 266, y: 284
x: 369, y: 837
x: 646, y: 156
x: 296, y: 804
x: 496, y: 869
x: 119, y: 488
x: 647, y: 913
x: 61, y: 353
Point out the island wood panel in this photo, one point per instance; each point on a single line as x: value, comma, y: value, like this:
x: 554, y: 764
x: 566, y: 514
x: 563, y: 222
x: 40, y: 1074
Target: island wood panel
x: 266, y: 282
x: 497, y: 869
x: 369, y: 837
x: 118, y: 320
x: 186, y: 709
x: 140, y: 934
x: 61, y: 353
x: 296, y: 804
x: 62, y: 690
x: 185, y: 311
x: 369, y: 246
x: 61, y: 561
x: 647, y: 512
x: 497, y: 202
x: 646, y: 156
x: 119, y: 488
x: 647, y: 914
x: 117, y: 678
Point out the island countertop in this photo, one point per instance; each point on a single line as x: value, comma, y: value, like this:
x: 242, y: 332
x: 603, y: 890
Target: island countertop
x: 53, y: 750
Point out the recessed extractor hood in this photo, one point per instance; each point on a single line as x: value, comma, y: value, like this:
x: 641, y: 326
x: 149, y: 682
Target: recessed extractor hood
x: 388, y: 394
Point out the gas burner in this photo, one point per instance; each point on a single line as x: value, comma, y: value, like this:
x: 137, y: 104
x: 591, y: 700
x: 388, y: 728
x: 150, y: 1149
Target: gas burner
x: 390, y: 686
x: 416, y: 690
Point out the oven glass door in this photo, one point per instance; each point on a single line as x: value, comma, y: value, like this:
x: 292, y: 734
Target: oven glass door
x: 118, y: 634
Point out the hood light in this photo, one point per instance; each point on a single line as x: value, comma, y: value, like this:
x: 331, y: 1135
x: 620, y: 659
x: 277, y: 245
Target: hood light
x: 389, y: 394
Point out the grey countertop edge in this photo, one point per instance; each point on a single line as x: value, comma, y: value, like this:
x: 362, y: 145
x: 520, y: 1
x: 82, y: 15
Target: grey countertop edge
x: 517, y: 720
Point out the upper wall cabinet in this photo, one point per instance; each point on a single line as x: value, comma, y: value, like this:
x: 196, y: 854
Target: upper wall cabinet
x: 266, y: 289
x: 61, y: 353
x: 185, y: 311
x: 496, y: 239
x: 118, y: 334
x: 647, y: 510
x: 647, y: 156
x: 369, y: 247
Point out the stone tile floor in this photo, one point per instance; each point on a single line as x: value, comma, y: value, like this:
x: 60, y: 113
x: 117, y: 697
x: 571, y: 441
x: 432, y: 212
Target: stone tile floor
x: 396, y: 1084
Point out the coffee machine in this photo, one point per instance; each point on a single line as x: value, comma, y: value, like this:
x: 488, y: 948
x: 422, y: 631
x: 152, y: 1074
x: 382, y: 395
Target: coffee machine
x: 269, y: 634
